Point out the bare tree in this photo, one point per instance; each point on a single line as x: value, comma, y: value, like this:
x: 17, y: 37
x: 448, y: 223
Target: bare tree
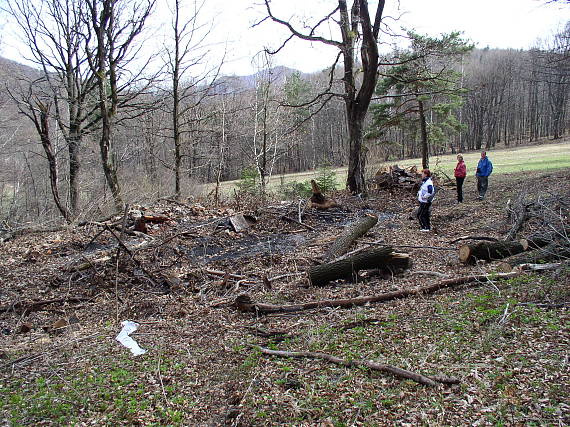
x: 113, y: 26
x: 53, y: 32
x: 38, y: 111
x: 188, y: 50
x: 358, y: 33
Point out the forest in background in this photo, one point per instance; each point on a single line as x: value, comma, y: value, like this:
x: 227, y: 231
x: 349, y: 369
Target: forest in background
x: 175, y: 131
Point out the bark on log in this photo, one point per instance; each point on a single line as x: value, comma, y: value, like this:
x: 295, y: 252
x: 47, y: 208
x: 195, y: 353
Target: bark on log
x: 245, y: 304
x: 342, y: 244
x: 550, y: 252
x: 489, y: 251
x: 398, y: 372
x: 380, y: 258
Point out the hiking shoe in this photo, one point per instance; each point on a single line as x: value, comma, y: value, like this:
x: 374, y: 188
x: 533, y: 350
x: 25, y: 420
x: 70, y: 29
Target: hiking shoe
x: 425, y: 230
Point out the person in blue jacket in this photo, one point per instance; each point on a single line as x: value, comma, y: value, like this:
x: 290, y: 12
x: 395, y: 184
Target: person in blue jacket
x: 484, y: 169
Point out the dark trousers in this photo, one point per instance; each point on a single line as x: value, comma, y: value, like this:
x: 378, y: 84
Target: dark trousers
x: 459, y: 188
x: 482, y: 184
x: 423, y: 215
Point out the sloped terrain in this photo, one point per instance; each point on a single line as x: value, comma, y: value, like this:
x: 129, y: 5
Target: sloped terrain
x: 64, y: 295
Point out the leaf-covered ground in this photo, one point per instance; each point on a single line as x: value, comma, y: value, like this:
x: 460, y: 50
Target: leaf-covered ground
x: 200, y: 367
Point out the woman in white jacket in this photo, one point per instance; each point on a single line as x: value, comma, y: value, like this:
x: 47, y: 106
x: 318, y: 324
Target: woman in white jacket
x: 426, y: 194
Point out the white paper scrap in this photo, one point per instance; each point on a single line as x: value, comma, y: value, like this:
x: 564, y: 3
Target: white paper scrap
x: 124, y: 338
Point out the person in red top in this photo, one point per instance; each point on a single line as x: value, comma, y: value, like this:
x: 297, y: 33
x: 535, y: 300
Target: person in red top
x: 460, y: 174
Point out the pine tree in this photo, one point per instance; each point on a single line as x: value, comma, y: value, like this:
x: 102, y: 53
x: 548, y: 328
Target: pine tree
x: 423, y: 84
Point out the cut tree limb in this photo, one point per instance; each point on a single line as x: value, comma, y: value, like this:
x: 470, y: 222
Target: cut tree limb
x: 244, y: 303
x: 488, y: 251
x: 398, y: 372
x: 342, y: 244
x: 380, y: 258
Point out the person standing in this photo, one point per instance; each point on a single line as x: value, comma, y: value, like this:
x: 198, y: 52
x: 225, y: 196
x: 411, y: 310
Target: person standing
x: 426, y: 193
x: 460, y: 174
x: 484, y: 169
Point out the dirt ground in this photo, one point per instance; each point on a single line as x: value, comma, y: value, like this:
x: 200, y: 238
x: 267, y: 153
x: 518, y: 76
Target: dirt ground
x: 507, y: 341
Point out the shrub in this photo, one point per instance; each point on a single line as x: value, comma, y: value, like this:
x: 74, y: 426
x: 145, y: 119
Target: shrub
x: 327, y: 178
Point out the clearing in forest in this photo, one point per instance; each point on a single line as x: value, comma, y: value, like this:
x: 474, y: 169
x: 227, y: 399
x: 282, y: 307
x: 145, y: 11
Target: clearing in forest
x: 506, y: 340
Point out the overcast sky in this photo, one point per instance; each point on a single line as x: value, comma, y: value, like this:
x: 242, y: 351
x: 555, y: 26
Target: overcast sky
x: 494, y: 23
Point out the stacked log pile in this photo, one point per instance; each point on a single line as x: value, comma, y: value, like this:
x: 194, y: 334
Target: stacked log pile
x: 396, y: 177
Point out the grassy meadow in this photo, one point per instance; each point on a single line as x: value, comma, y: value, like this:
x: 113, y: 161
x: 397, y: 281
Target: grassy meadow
x: 505, y: 160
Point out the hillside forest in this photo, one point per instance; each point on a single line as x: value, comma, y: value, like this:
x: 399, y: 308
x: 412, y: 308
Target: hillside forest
x: 167, y: 260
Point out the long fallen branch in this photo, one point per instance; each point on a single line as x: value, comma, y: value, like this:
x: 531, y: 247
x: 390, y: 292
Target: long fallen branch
x: 245, y: 304
x: 398, y: 372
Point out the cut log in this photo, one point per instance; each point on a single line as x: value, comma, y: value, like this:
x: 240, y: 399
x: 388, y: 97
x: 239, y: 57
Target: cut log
x: 245, y: 304
x: 550, y: 252
x: 380, y: 258
x: 489, y: 251
x: 398, y: 372
x: 537, y: 241
x: 342, y: 244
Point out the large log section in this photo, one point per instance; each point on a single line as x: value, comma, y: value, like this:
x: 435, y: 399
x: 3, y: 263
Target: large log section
x: 489, y: 251
x: 381, y: 258
x: 342, y: 244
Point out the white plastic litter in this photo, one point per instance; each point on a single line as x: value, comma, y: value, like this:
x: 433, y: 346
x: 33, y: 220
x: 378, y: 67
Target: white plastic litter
x: 124, y: 338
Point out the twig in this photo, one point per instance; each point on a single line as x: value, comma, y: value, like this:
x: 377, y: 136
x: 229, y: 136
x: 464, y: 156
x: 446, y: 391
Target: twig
x: 489, y: 239
x: 224, y: 274
x: 161, y: 383
x: 505, y: 315
x: 431, y: 273
x: 411, y: 246
x: 283, y: 276
x: 545, y: 304
x: 286, y: 218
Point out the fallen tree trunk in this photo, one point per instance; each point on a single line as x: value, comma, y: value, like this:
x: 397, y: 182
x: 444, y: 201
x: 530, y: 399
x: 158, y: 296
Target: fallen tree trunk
x: 342, y: 244
x: 398, y: 372
x: 550, y: 252
x: 489, y: 251
x: 380, y: 258
x: 245, y: 304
